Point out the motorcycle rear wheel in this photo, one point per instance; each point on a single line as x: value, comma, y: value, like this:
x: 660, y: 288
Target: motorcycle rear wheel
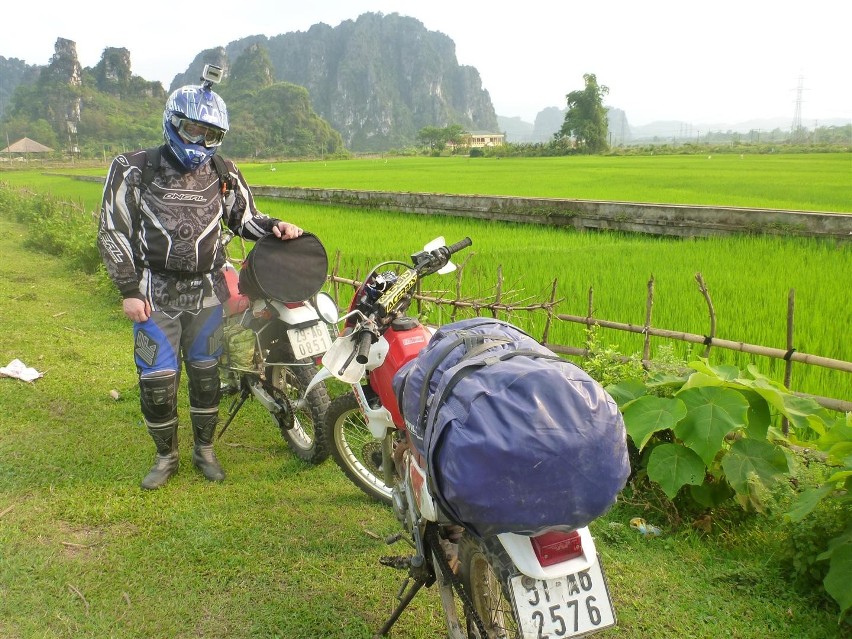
x: 486, y: 585
x: 305, y: 438
x: 354, y: 448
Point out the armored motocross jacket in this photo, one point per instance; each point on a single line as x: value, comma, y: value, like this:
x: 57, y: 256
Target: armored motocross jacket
x: 162, y: 241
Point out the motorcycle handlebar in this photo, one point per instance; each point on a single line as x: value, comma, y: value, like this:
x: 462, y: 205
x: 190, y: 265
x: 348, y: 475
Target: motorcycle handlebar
x: 458, y: 246
x: 362, y: 350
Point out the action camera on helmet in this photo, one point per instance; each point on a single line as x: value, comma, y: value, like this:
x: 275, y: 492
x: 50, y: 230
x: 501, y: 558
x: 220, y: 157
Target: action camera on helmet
x: 211, y: 74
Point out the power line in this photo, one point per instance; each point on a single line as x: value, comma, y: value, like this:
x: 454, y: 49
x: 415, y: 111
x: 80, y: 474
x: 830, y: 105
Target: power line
x: 796, y: 129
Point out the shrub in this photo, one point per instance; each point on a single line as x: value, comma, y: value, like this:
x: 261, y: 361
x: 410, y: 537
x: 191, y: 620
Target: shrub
x: 63, y: 229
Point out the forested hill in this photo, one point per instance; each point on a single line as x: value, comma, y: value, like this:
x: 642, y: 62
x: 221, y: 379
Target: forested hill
x: 369, y: 84
x: 12, y: 73
x: 377, y: 79
x: 92, y: 112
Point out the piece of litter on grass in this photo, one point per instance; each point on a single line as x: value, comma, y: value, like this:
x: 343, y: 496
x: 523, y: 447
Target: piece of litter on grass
x: 19, y: 370
x: 115, y: 394
x: 647, y: 530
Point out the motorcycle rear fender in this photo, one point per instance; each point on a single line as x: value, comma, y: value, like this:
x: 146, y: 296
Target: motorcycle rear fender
x: 520, y: 551
x: 299, y: 316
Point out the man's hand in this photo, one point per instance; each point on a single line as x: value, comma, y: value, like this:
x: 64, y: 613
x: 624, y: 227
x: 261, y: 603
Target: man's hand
x: 286, y: 231
x: 136, y: 310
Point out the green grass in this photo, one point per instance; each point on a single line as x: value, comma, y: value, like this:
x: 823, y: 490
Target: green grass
x: 280, y: 549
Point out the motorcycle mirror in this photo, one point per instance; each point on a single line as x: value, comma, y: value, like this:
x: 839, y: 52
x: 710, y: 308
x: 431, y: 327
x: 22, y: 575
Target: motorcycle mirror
x: 327, y: 308
x: 437, y: 243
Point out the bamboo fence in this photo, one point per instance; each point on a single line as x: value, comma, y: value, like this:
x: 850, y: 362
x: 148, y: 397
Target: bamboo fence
x: 496, y: 306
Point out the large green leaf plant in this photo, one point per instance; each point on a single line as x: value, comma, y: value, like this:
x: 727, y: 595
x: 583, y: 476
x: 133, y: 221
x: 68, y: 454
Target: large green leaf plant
x: 836, y: 444
x: 713, y: 434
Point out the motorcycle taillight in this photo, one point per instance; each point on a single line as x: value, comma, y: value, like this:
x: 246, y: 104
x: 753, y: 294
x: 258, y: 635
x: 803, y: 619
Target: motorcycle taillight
x: 553, y: 547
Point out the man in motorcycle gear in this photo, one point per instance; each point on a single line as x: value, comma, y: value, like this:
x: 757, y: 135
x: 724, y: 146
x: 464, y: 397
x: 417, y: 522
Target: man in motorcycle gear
x: 159, y: 237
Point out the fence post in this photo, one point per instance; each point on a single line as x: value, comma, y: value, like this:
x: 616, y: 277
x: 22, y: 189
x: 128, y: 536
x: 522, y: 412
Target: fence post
x: 499, y: 293
x: 788, y: 366
x: 458, y: 293
x: 335, y: 274
x: 649, y: 305
x: 550, y: 307
x: 589, y: 314
x: 708, y: 339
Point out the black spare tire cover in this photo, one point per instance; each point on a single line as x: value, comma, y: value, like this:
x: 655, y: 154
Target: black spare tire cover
x: 284, y: 270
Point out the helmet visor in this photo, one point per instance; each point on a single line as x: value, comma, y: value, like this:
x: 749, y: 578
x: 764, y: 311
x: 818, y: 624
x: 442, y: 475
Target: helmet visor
x: 193, y: 132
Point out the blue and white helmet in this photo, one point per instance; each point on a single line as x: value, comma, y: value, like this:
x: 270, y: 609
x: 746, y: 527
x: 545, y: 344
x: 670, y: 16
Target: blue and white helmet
x: 194, y: 124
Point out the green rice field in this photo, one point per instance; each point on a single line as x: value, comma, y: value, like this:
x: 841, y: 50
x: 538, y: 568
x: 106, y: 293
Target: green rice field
x: 804, y: 182
x: 749, y: 277
x: 749, y: 280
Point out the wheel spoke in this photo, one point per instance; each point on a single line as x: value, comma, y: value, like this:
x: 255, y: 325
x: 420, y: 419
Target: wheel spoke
x: 355, y: 449
x: 486, y: 592
x: 305, y: 436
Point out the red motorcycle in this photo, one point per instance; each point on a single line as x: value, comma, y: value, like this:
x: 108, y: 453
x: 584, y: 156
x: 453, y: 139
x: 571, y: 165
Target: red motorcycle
x: 493, y: 480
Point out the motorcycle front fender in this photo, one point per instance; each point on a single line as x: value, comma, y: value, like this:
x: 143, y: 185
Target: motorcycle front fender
x: 322, y: 375
x: 379, y: 421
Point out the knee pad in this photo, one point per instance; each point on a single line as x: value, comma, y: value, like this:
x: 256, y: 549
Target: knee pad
x: 158, y: 396
x: 204, y: 389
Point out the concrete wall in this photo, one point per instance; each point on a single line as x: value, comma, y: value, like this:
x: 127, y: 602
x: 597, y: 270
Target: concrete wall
x: 657, y: 219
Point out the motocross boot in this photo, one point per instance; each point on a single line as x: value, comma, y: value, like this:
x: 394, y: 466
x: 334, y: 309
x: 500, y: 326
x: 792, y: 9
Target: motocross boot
x: 203, y: 429
x: 166, y: 461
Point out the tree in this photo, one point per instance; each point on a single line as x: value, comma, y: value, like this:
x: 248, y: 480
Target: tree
x: 454, y: 134
x: 431, y: 136
x: 437, y: 138
x: 585, y: 120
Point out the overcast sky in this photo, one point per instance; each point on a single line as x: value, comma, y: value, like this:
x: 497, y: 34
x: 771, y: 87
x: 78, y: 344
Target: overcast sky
x: 704, y: 63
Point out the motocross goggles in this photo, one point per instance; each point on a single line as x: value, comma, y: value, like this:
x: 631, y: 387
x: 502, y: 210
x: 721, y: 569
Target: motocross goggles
x: 193, y: 132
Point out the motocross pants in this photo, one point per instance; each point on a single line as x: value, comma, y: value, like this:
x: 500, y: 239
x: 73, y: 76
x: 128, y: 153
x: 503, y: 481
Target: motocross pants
x: 161, y: 344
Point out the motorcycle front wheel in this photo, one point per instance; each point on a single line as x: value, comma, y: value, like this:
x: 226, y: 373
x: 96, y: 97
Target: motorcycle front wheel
x: 486, y: 584
x: 354, y: 448
x: 305, y: 438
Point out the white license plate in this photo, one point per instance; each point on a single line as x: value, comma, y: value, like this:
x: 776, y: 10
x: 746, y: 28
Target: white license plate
x: 309, y: 342
x: 563, y: 607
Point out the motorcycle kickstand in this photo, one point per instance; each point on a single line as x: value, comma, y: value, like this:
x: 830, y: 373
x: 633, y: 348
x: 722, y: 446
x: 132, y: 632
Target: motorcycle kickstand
x: 404, y: 600
x: 236, y: 405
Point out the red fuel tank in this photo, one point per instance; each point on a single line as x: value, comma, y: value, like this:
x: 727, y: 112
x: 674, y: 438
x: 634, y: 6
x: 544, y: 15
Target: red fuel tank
x: 406, y: 338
